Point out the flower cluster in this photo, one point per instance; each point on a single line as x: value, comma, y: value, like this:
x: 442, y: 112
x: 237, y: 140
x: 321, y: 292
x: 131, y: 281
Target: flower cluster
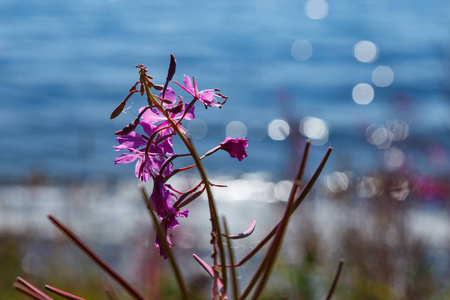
x: 160, y: 120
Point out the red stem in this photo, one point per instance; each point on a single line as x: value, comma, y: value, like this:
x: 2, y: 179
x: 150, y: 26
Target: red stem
x: 100, y: 262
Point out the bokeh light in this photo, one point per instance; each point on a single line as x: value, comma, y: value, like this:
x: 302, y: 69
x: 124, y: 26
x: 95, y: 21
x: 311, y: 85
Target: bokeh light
x: 369, y: 187
x: 399, y: 129
x: 365, y: 51
x: 383, y: 136
x: 315, y: 129
x: 236, y: 129
x: 197, y: 128
x: 379, y: 136
x: 382, y: 76
x: 363, y: 93
x: 394, y: 158
x: 316, y: 9
x: 278, y: 130
x: 337, y: 182
x: 400, y: 190
x: 282, y: 190
x: 257, y: 130
x: 301, y: 50
x: 32, y: 263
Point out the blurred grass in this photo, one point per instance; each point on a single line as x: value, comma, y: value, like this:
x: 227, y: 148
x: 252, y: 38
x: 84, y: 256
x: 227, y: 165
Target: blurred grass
x: 383, y: 258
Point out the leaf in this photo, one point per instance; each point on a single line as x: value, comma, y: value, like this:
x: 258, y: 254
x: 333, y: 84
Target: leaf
x: 244, y: 234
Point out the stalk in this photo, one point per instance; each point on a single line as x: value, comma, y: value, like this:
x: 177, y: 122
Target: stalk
x: 216, y: 230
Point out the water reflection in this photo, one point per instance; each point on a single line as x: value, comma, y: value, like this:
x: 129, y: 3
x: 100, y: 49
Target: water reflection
x: 316, y: 9
x: 278, y: 130
x: 394, y: 158
x: 382, y: 76
x: 383, y: 136
x: 315, y: 129
x: 363, y: 93
x: 399, y: 129
x: 282, y: 190
x: 337, y: 182
x: 197, y: 128
x: 400, y: 190
x: 365, y: 51
x: 379, y: 136
x: 301, y: 50
x: 236, y: 129
x: 256, y: 130
x: 369, y: 187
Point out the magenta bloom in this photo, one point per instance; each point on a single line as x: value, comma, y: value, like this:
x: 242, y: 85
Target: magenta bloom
x: 207, y: 97
x: 177, y: 111
x: 161, y: 202
x: 235, y: 147
x: 148, y: 163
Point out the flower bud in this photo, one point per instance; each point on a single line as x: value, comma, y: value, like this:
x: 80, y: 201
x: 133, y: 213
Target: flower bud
x: 235, y: 147
x: 172, y: 68
x: 129, y: 128
x: 117, y: 110
x: 158, y: 87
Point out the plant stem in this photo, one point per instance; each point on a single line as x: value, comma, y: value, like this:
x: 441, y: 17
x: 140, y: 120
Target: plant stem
x: 335, y: 280
x: 216, y: 231
x: 128, y: 287
x: 166, y: 248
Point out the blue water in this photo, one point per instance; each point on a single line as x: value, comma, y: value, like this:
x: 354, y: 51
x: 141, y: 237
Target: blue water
x: 66, y: 64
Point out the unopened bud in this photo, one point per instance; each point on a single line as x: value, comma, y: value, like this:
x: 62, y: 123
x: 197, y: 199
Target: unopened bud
x: 172, y: 68
x: 158, y: 87
x: 133, y: 88
x: 117, y: 110
x: 129, y: 128
x: 178, y: 107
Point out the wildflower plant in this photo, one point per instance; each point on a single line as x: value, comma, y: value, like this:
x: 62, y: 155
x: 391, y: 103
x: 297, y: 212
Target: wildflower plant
x: 147, y: 141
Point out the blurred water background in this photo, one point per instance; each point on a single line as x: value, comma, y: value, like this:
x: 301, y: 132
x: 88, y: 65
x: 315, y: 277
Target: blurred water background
x: 66, y: 65
x: 368, y: 78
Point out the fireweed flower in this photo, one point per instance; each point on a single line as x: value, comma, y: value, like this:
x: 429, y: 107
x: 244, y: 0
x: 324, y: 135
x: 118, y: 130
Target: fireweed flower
x: 235, y: 147
x: 207, y: 97
x: 177, y: 111
x: 161, y: 202
x: 149, y: 161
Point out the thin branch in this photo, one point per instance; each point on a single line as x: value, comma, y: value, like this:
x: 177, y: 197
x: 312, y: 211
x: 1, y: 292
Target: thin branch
x: 163, y: 243
x: 231, y: 258
x: 63, y: 293
x: 335, y: 280
x: 26, y: 291
x: 31, y: 290
x: 274, y: 229
x: 268, y: 260
x: 100, y: 262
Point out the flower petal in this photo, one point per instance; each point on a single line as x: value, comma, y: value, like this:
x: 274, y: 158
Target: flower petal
x: 235, y: 147
x: 126, y: 158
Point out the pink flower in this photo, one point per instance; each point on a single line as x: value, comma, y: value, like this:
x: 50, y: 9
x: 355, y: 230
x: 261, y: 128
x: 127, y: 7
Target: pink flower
x: 177, y: 111
x: 161, y: 202
x: 235, y: 147
x: 148, y: 162
x: 207, y: 97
